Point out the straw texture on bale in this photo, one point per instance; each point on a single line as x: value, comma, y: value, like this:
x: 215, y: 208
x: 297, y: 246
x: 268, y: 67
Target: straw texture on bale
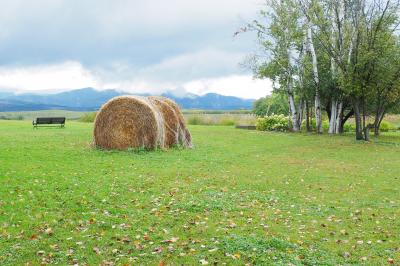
x: 126, y: 122
x: 140, y: 122
x: 183, y: 134
x: 170, y: 118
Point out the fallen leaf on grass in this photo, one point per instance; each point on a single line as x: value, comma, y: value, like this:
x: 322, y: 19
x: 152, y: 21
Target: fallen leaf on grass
x: 157, y: 250
x: 48, y: 231
x: 97, y: 250
x: 172, y: 240
x: 203, y: 262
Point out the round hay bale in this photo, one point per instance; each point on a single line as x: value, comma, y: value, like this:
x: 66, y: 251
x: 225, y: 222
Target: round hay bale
x: 184, y: 137
x: 128, y: 122
x: 170, y: 118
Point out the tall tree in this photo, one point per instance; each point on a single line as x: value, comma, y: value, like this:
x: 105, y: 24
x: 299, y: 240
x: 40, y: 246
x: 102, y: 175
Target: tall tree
x: 360, y: 26
x: 346, y: 52
x: 281, y: 40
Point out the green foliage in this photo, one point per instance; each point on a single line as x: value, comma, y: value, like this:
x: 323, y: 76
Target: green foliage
x: 273, y: 123
x: 227, y: 122
x: 276, y: 103
x: 88, y: 117
x: 386, y: 126
x: 284, y: 32
x: 313, y: 125
x: 325, y: 125
x: 395, y: 109
x: 349, y: 127
x: 357, y: 63
x: 195, y: 120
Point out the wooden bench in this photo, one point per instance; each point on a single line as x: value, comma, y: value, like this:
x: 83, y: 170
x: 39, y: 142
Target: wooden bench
x: 45, y: 121
x: 247, y: 127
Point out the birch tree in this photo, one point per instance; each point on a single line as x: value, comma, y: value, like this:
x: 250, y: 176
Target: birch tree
x: 317, y: 103
x: 346, y: 51
x: 280, y: 38
x: 359, y: 25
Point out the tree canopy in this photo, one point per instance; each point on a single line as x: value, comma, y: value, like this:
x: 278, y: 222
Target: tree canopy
x: 337, y: 56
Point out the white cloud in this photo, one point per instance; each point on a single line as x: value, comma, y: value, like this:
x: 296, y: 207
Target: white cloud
x: 72, y: 75
x: 46, y: 78
x: 195, y: 65
x: 238, y: 85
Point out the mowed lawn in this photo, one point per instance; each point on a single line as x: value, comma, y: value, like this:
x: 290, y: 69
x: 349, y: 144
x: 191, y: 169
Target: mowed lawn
x: 239, y: 197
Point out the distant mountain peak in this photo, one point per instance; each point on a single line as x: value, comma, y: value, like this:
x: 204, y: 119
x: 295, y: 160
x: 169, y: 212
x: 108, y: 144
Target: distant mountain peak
x: 90, y: 99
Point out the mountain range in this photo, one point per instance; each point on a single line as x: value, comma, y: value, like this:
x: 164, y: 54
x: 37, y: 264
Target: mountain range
x: 89, y: 99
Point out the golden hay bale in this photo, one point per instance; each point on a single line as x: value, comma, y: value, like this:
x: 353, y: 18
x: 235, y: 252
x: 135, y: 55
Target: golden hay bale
x: 170, y: 118
x: 128, y: 122
x: 184, y: 137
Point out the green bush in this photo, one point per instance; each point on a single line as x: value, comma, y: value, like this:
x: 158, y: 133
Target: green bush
x: 313, y: 124
x: 273, y: 123
x: 195, y: 120
x: 88, y: 117
x: 386, y: 126
x: 325, y: 125
x: 227, y: 122
x: 348, y: 128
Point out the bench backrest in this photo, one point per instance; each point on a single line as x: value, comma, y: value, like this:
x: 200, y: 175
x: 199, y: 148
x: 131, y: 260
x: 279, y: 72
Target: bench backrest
x: 50, y: 120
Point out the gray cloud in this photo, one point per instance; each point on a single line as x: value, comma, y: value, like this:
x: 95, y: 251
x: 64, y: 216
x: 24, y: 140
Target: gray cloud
x: 117, y: 41
x: 97, y: 31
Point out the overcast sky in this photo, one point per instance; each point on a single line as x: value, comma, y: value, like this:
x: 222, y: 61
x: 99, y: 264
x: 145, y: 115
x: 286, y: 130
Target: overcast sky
x: 132, y: 45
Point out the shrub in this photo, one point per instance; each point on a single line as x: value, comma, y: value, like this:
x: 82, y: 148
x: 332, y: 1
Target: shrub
x: 227, y: 122
x: 325, y: 125
x: 88, y: 117
x: 348, y: 127
x: 273, y: 123
x: 313, y: 124
x: 386, y: 126
x: 195, y: 120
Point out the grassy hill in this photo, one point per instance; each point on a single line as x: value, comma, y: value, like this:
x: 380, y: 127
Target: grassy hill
x: 238, y: 197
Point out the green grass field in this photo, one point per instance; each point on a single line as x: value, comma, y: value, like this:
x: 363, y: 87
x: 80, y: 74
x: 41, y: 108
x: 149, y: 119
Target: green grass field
x: 238, y: 197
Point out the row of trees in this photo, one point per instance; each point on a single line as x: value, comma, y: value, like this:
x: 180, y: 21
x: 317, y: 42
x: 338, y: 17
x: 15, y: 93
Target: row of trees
x: 337, y: 56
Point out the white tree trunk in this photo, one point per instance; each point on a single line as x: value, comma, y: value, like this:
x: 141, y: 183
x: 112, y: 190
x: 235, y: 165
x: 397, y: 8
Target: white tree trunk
x: 338, y: 119
x: 292, y: 105
x: 337, y: 36
x: 293, y: 112
x: 300, y: 113
x: 318, y: 116
x: 332, y: 120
